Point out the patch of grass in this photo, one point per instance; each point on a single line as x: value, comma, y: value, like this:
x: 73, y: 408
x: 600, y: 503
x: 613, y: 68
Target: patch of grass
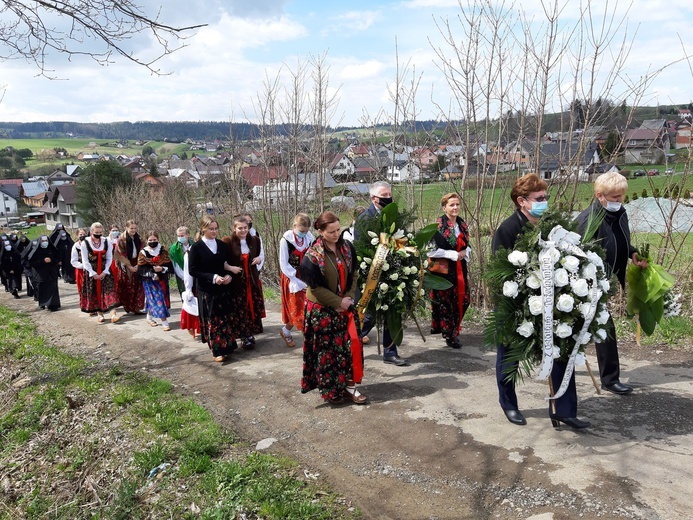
x: 81, y: 431
x: 673, y: 331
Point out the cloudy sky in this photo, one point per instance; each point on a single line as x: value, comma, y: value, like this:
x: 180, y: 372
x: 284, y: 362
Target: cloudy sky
x: 248, y: 43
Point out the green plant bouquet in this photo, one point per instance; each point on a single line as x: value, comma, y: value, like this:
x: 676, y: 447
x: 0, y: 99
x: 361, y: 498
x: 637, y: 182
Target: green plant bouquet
x: 392, y: 277
x: 647, y: 291
x: 550, y: 298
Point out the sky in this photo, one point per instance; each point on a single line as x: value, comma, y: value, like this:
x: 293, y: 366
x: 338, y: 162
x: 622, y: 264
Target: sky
x: 222, y: 72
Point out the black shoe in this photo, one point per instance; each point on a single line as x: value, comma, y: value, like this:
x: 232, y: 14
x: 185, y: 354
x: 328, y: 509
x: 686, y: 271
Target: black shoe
x: 573, y: 422
x: 618, y: 388
x: 16, y: 295
x: 251, y: 339
x: 515, y: 417
x: 453, y: 342
x: 247, y: 344
x: 395, y: 360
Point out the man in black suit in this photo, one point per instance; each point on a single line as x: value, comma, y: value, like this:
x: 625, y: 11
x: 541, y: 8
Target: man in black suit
x: 381, y: 196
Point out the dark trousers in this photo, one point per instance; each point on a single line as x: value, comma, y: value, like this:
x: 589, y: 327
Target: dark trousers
x: 368, y: 324
x: 566, y: 405
x: 607, y: 356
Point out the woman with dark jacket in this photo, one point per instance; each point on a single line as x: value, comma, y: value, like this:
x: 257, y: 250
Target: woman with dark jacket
x: 244, y: 253
x: 451, y: 245
x: 45, y: 267
x: 613, y: 236
x: 531, y: 201
x: 332, y: 348
x: 212, y: 276
x: 12, y: 270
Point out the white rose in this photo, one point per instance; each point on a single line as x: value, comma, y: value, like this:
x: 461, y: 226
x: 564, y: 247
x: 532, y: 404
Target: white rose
x: 595, y: 259
x: 580, y: 360
x: 605, y: 285
x: 525, y: 329
x: 536, y: 305
x: 589, y: 271
x: 384, y: 307
x: 563, y: 330
x: 384, y: 287
x: 510, y: 289
x: 372, y: 234
x: 394, y: 276
x: 555, y: 255
x: 600, y: 334
x: 556, y: 352
x: 368, y: 260
x: 571, y: 263
x: 415, y: 283
x: 363, y: 265
x: 584, y: 309
x: 602, y: 317
x: 579, y: 287
x: 401, y: 286
x: 422, y: 292
x: 518, y: 258
x: 533, y: 281
x: 386, y: 266
x: 572, y: 238
x: 405, y: 271
x: 595, y: 295
x: 584, y: 339
x: 560, y: 277
x: 374, y: 241
x: 565, y: 303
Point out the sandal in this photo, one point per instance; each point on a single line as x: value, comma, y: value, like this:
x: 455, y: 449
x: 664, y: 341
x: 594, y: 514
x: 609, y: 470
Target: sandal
x: 288, y: 339
x: 165, y: 327
x: 115, y: 318
x: 336, y: 400
x: 355, y: 396
x: 220, y: 359
x: 152, y: 323
x: 100, y: 319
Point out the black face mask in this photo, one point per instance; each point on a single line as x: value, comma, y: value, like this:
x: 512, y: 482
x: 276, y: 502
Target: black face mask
x: 82, y: 238
x: 250, y: 225
x: 384, y: 201
x: 152, y: 244
x: 97, y: 236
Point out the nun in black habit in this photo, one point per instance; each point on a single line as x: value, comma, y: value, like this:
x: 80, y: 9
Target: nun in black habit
x: 63, y: 243
x: 28, y: 275
x: 3, y: 238
x: 11, y: 267
x: 44, y: 262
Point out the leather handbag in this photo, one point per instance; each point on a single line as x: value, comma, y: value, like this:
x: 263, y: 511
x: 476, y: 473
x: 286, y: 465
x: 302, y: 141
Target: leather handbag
x: 439, y: 265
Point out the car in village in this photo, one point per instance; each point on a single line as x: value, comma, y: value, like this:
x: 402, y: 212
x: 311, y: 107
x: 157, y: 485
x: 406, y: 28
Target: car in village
x: 652, y: 172
x: 669, y: 171
x: 639, y: 173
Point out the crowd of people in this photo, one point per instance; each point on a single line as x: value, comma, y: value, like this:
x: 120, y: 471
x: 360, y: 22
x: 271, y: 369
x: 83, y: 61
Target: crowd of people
x: 219, y: 283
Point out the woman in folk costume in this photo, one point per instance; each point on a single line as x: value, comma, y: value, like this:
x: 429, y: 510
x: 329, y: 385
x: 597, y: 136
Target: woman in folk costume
x: 208, y: 267
x: 292, y: 247
x: 130, y: 289
x: 98, y: 287
x: 177, y: 252
x: 76, y: 260
x: 11, y: 266
x: 113, y: 238
x: 244, y: 252
x: 189, y: 312
x: 63, y: 243
x: 451, y: 246
x: 45, y: 265
x: 332, y: 348
x: 153, y: 267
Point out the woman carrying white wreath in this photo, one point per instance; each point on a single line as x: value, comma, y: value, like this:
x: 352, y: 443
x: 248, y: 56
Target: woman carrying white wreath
x: 451, y: 243
x: 531, y: 201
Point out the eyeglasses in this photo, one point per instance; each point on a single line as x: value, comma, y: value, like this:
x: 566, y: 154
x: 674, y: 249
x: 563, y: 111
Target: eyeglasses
x: 543, y: 198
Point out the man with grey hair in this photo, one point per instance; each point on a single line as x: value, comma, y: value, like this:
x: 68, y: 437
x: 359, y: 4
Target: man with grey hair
x: 381, y: 196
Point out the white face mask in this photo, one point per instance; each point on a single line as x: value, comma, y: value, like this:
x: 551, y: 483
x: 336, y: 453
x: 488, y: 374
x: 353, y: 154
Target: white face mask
x: 8, y: 248
x: 613, y: 206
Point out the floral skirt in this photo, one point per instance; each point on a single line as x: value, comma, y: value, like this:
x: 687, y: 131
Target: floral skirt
x: 157, y: 299
x: 293, y: 305
x: 445, y: 312
x: 130, y: 291
x: 327, y: 360
x: 93, y: 298
x: 219, y: 323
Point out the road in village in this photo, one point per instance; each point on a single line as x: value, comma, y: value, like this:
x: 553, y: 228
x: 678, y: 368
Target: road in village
x: 433, y: 442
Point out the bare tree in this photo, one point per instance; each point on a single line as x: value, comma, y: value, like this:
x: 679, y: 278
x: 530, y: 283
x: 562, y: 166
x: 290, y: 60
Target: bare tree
x: 28, y: 30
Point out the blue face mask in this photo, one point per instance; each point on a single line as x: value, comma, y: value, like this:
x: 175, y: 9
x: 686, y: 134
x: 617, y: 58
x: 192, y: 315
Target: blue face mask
x: 301, y: 234
x: 538, y: 208
x: 183, y: 240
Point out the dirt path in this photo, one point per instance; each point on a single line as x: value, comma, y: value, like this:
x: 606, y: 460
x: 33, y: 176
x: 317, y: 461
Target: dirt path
x: 433, y: 443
